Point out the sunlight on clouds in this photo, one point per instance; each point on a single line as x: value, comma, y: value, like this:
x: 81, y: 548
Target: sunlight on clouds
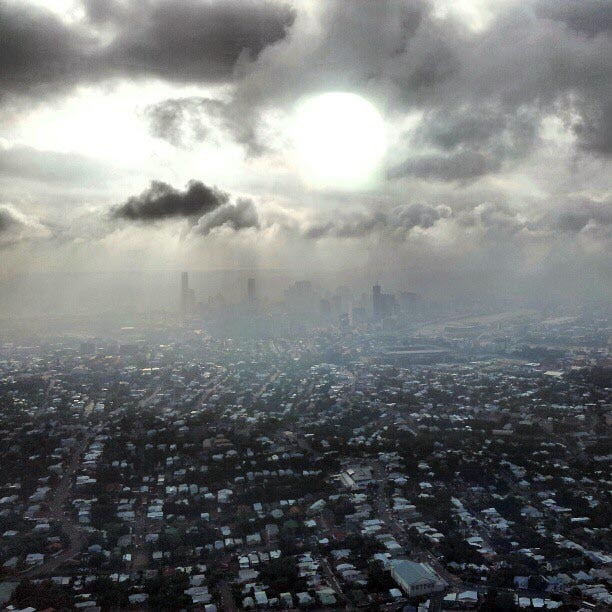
x: 476, y: 14
x: 69, y: 11
x: 107, y: 123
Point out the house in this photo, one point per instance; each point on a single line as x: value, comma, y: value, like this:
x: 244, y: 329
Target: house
x: 304, y: 599
x: 286, y: 600
x: 34, y: 558
x: 327, y: 597
x: 271, y: 532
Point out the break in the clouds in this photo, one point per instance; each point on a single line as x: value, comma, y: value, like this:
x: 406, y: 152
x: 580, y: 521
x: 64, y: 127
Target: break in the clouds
x: 498, y: 119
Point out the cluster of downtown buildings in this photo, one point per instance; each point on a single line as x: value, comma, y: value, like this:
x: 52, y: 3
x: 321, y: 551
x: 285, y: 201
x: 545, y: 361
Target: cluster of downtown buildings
x: 463, y: 466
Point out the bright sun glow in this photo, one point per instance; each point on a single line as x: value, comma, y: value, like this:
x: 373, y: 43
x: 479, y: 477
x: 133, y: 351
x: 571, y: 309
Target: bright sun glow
x: 340, y: 141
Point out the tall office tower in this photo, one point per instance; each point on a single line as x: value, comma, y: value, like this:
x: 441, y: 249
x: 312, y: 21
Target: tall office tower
x: 377, y: 305
x: 184, y: 297
x: 251, y: 294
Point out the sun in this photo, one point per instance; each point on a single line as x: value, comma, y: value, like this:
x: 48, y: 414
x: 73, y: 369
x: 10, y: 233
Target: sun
x: 339, y: 140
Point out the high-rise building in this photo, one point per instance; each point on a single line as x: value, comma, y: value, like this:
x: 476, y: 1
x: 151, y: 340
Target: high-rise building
x: 251, y: 291
x: 184, y: 302
x: 377, y: 303
x: 383, y: 304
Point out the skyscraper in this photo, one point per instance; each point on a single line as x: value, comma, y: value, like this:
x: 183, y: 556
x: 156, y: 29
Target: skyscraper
x: 251, y: 293
x: 377, y: 305
x: 383, y: 304
x: 184, y: 302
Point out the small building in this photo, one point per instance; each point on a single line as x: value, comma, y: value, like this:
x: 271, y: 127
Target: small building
x: 416, y: 578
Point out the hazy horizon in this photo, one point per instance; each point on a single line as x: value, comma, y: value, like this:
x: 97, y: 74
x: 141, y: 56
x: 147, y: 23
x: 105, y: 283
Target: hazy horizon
x: 457, y: 149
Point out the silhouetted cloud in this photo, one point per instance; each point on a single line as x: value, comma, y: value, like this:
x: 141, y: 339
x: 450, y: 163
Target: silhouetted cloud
x: 161, y: 201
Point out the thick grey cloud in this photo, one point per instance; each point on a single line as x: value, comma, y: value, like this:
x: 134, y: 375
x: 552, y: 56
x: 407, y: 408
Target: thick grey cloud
x: 38, y: 49
x: 496, y: 219
x: 457, y: 166
x: 576, y: 215
x: 161, y: 201
x: 571, y: 216
x: 187, y: 41
x: 179, y: 120
x: 346, y: 226
x: 399, y: 221
x: 7, y: 219
x: 16, y: 226
x: 419, y: 215
x: 589, y: 17
x: 469, y: 141
x: 194, y: 40
x: 184, y: 121
x: 239, y: 216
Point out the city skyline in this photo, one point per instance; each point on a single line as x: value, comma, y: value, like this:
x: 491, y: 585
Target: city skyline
x: 456, y: 148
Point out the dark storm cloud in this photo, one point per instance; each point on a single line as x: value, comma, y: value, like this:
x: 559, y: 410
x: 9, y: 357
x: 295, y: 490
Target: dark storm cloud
x: 38, y: 49
x: 399, y: 221
x: 162, y: 201
x: 239, y: 216
x: 187, y: 41
x: 195, y: 40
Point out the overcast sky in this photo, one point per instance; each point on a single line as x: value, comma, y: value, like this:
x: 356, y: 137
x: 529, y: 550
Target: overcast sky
x: 159, y: 134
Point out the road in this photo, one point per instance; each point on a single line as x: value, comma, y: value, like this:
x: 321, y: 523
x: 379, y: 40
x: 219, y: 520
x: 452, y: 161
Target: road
x: 75, y: 536
x: 333, y: 581
x: 226, y: 600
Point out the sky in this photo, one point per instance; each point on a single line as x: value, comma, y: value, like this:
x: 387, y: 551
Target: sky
x: 452, y: 147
